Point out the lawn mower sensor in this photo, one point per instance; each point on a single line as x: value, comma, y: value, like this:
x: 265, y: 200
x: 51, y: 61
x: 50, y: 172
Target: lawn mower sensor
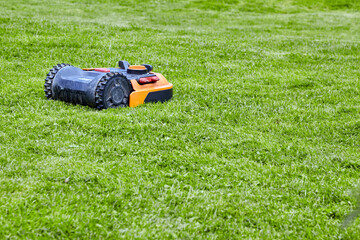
x: 101, y: 88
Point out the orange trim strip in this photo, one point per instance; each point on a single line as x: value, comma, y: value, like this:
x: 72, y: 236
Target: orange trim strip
x: 140, y: 67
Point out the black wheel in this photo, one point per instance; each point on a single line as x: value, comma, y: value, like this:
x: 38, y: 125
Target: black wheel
x: 112, y: 91
x: 50, y: 78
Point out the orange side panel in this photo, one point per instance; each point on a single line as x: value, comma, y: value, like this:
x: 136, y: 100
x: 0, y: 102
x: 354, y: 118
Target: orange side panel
x: 140, y: 92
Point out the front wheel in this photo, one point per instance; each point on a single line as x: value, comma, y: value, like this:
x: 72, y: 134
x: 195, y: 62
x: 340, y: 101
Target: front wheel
x: 112, y: 91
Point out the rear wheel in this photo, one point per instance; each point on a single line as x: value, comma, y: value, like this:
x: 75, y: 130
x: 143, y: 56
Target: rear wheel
x: 112, y: 91
x: 50, y: 78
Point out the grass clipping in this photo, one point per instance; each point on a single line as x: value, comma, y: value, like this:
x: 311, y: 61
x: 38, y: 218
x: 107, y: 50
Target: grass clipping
x: 354, y: 213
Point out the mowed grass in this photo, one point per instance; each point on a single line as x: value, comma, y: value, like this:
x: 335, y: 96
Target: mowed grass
x: 261, y: 139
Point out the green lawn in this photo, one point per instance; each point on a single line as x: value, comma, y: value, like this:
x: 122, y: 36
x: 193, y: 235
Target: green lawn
x: 261, y: 139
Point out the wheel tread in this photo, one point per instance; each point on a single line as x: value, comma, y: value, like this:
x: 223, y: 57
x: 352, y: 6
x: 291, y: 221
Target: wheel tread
x: 50, y: 78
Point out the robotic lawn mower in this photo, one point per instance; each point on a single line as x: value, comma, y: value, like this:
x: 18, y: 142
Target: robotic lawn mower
x: 101, y: 88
